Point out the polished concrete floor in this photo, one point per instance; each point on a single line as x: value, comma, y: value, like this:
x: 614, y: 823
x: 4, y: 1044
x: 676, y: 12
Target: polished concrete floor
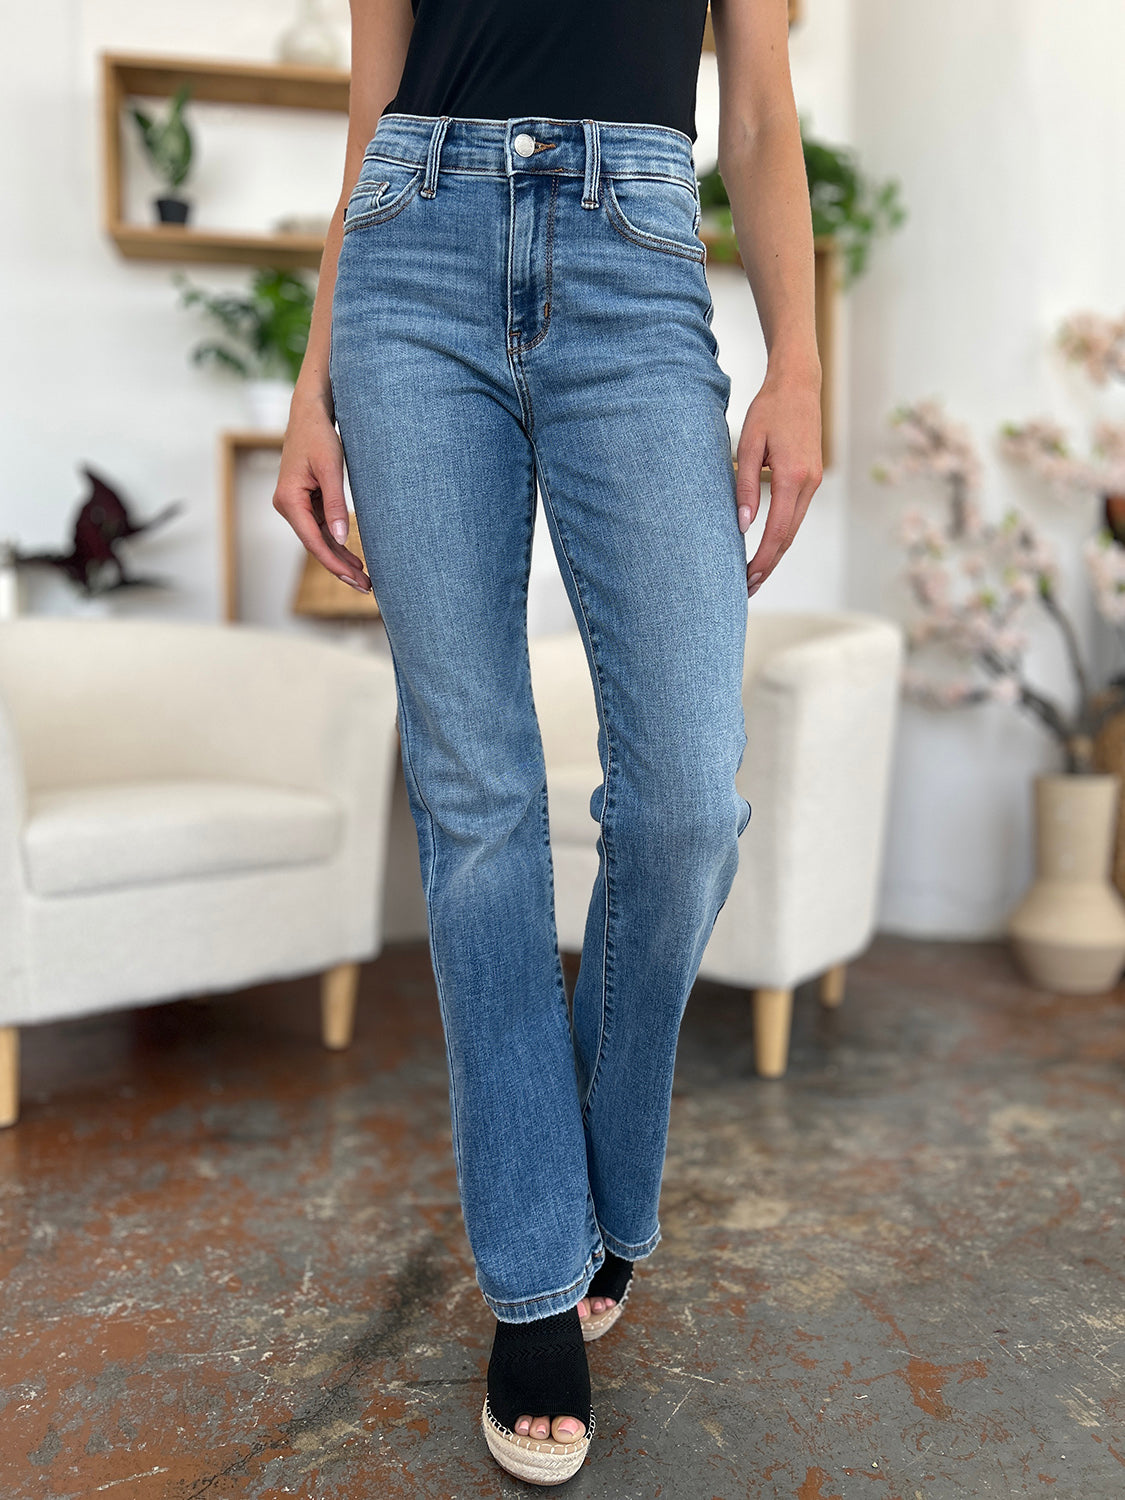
x: 234, y: 1265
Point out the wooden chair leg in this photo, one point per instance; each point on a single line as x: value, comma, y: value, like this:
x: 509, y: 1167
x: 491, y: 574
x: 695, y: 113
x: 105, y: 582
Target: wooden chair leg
x: 832, y: 984
x: 773, y: 1011
x: 337, y: 1005
x: 9, y: 1075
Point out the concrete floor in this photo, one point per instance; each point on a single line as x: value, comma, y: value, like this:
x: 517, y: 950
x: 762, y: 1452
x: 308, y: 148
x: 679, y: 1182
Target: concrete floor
x: 234, y: 1266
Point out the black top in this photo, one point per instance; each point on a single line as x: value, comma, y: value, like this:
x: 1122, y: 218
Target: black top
x: 629, y: 61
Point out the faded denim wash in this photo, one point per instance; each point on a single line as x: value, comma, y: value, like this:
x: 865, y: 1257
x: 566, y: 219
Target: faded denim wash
x: 518, y: 300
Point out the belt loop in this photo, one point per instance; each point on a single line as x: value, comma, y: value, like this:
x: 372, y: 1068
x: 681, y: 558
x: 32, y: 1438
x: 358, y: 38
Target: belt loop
x: 433, y: 156
x: 593, y: 163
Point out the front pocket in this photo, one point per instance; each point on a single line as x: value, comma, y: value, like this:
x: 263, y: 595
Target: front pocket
x: 383, y: 190
x: 660, y: 213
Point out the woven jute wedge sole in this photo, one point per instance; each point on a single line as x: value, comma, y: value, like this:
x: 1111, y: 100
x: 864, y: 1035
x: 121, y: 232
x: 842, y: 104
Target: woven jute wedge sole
x: 598, y: 1323
x: 534, y: 1459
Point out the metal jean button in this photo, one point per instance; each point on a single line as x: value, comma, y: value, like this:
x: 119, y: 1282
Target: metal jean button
x: 524, y: 144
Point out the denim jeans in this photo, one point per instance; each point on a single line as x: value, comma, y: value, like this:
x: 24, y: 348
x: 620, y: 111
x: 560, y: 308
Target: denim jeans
x: 518, y: 301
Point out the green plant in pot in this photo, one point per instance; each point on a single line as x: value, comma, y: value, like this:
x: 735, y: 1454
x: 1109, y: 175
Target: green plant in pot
x: 847, y: 206
x: 264, y: 336
x: 168, y: 145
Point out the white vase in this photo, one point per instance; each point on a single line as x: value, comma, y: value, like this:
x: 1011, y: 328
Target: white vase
x: 267, y: 404
x: 1068, y: 932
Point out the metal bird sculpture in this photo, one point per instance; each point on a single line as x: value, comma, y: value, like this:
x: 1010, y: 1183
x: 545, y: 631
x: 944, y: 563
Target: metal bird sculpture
x: 103, y: 521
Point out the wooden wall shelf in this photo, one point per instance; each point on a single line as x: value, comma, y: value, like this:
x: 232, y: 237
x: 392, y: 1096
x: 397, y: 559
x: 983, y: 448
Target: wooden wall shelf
x: 288, y: 252
x: 274, y: 85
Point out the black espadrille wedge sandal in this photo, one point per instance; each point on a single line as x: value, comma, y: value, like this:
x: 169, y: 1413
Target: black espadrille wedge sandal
x: 613, y: 1278
x: 538, y: 1369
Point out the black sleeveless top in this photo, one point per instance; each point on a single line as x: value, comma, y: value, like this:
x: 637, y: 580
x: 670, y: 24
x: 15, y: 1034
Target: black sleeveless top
x: 629, y: 61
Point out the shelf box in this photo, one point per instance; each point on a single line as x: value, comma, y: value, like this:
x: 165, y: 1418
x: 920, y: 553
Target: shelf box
x: 275, y: 85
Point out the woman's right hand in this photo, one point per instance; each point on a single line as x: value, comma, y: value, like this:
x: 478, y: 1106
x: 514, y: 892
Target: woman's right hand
x: 310, y: 489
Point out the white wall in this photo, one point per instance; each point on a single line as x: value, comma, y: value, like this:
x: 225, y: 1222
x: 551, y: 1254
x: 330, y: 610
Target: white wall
x: 1003, y: 120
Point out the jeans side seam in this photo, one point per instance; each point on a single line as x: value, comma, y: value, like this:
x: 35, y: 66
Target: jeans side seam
x: 610, y: 763
x: 408, y: 766
x: 544, y: 819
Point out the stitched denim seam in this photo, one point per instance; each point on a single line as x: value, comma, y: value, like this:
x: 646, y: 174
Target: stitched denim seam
x: 381, y: 215
x: 408, y: 760
x: 511, y: 305
x: 544, y: 818
x: 545, y: 171
x: 546, y: 1296
x: 542, y: 334
x: 607, y: 965
x: 650, y: 241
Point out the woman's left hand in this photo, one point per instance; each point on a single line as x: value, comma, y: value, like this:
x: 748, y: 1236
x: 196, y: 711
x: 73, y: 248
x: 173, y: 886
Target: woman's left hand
x: 781, y: 432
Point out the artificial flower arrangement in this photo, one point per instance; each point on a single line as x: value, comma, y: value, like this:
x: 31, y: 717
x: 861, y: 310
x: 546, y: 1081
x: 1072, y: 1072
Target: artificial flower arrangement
x: 974, y: 580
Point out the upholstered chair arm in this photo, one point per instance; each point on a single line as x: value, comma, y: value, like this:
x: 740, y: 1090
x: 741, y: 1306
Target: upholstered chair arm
x: 13, y: 803
x: 821, y: 716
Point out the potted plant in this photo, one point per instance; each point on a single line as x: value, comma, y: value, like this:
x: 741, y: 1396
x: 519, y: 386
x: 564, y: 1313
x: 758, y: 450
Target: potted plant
x: 974, y: 581
x: 847, y: 207
x: 168, y: 145
x: 266, y: 334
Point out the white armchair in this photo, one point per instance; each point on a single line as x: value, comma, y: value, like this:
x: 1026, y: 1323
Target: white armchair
x: 821, y: 694
x: 185, y: 808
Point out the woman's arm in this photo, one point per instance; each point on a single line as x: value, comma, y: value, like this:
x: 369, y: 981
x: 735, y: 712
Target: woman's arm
x: 762, y: 165
x: 310, y: 487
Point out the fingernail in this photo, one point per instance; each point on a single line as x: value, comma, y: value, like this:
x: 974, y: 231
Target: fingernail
x: 359, y: 587
x: 752, y: 590
x: 340, y: 530
x: 743, y: 518
x: 756, y: 577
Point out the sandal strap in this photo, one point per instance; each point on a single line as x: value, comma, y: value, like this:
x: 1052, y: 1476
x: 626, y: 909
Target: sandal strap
x: 539, y: 1369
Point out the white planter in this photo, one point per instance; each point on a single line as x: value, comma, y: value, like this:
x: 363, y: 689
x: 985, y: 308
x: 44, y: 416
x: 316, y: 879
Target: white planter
x: 267, y: 404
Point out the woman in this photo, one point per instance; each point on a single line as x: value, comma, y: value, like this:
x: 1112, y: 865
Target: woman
x: 512, y: 298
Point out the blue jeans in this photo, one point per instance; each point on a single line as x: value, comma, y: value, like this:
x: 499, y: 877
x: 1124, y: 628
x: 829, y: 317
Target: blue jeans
x: 521, y: 301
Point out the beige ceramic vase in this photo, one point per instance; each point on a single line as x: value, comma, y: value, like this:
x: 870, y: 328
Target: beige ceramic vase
x: 1068, y: 932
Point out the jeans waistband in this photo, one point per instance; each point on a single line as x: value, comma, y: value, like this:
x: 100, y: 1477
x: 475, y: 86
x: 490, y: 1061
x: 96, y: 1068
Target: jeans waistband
x: 572, y: 148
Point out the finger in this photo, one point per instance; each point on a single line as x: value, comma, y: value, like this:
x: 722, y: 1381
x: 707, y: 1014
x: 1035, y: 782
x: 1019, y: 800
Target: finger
x: 787, y: 511
x: 297, y: 510
x: 778, y: 530
x: 316, y: 502
x: 326, y: 473
x: 748, y: 483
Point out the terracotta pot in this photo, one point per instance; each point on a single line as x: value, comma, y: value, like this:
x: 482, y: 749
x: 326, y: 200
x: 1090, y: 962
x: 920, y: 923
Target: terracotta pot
x: 1068, y: 932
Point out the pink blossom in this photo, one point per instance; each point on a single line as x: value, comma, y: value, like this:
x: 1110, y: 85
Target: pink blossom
x: 1095, y: 342
x: 1105, y: 563
x: 1005, y: 689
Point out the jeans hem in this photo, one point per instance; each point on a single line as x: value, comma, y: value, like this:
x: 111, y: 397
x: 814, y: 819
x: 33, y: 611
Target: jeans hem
x: 527, y: 1309
x: 631, y: 1252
